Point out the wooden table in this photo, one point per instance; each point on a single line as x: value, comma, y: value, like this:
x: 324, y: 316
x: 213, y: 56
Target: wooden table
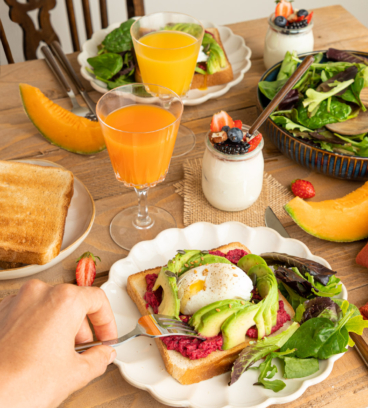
x: 334, y: 27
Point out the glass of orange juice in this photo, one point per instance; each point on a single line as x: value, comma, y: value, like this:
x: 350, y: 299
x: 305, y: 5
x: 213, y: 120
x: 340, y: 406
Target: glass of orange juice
x: 167, y: 47
x: 140, y: 123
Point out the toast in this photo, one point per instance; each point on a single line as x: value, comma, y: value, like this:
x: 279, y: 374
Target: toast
x: 34, y: 202
x: 184, y: 370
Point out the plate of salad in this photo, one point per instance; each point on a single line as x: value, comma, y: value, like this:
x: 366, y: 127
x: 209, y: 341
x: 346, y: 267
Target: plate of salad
x: 329, y: 93
x: 107, y: 60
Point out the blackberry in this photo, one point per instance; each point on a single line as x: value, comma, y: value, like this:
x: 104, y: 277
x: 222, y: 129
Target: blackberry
x: 232, y: 148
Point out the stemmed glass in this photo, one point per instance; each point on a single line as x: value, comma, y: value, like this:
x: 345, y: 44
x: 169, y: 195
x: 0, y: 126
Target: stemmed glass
x: 167, y: 47
x: 140, y: 124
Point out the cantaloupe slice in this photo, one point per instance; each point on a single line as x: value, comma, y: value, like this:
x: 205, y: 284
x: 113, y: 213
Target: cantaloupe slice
x: 59, y: 126
x: 342, y: 220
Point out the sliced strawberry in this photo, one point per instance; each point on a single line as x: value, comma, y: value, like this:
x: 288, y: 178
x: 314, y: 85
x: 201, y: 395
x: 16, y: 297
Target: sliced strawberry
x: 86, y: 269
x: 283, y: 8
x: 254, y: 142
x: 309, y: 17
x: 238, y: 123
x: 303, y: 189
x: 219, y: 120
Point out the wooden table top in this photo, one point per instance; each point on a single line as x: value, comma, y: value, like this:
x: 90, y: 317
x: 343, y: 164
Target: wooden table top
x: 19, y: 139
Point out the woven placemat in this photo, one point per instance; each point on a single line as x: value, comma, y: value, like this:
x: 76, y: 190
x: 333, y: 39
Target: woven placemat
x: 197, y: 208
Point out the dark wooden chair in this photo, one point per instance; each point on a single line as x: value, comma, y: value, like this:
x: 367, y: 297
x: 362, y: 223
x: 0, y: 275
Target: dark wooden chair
x: 5, y: 44
x: 32, y: 36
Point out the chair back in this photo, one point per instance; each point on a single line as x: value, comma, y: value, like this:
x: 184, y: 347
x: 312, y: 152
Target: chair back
x: 32, y: 36
x: 4, y: 42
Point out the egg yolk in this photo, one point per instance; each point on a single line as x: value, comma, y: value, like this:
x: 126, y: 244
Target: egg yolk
x: 194, y: 288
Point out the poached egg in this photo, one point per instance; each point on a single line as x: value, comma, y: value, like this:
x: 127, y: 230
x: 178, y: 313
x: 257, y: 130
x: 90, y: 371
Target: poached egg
x: 207, y: 284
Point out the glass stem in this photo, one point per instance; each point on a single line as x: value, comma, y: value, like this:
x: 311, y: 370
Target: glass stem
x: 143, y: 220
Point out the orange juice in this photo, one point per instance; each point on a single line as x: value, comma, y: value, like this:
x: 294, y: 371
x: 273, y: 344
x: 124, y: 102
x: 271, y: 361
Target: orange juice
x: 168, y: 58
x: 140, y: 153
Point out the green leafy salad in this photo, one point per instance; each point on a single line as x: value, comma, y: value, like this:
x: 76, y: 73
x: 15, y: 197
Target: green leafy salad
x: 329, y: 92
x: 115, y: 63
x: 320, y: 327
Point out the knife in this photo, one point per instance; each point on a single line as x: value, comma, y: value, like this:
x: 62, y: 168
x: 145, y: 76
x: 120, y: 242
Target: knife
x: 274, y: 223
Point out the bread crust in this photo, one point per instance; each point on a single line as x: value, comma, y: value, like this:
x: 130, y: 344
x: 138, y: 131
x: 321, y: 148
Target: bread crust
x: 32, y: 227
x: 184, y: 370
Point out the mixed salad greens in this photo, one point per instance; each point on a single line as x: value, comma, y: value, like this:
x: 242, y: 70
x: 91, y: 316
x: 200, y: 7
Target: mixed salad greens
x: 329, y: 92
x: 115, y: 63
x: 320, y: 329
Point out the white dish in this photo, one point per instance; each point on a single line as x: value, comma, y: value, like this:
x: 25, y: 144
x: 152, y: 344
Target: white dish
x: 236, y: 50
x: 139, y: 360
x: 78, y: 224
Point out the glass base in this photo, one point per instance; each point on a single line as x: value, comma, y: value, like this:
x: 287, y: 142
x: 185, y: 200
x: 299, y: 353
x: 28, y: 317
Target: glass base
x: 185, y: 142
x: 126, y: 231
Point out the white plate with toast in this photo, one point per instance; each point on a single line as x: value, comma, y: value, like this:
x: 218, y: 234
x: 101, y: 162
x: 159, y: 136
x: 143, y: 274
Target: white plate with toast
x: 139, y: 360
x: 79, y: 221
x: 236, y: 50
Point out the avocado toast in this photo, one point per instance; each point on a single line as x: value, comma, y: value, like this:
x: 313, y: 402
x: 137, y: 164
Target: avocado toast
x: 184, y: 369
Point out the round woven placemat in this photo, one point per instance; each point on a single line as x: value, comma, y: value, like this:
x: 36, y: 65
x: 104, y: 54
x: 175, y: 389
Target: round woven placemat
x: 197, y: 208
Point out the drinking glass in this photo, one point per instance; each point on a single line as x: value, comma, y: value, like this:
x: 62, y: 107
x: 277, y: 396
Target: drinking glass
x: 140, y: 123
x: 167, y: 47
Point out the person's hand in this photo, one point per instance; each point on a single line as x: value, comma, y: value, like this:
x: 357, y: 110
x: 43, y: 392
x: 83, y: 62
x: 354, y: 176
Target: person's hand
x: 38, y: 330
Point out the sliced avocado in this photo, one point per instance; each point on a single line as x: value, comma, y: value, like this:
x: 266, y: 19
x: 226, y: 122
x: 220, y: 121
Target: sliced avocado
x: 216, y: 56
x: 250, y: 260
x: 177, y: 264
x: 235, y: 327
x: 170, y: 304
x: 195, y: 320
x: 202, y: 259
x: 212, y: 321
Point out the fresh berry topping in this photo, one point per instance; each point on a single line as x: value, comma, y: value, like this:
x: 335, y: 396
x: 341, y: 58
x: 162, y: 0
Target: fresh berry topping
x: 235, y: 135
x: 253, y: 143
x: 229, y: 147
x: 238, y: 123
x: 226, y: 128
x: 302, y: 188
x: 86, y: 269
x: 280, y: 21
x: 283, y: 8
x: 309, y: 18
x: 302, y: 13
x: 292, y: 18
x: 219, y: 120
x: 297, y: 25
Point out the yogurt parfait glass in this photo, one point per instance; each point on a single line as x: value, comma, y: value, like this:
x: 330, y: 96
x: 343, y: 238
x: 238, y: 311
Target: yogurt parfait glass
x: 279, y: 40
x: 232, y: 182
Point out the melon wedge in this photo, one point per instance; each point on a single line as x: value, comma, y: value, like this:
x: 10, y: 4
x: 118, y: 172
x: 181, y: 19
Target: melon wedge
x: 59, y: 126
x: 342, y: 220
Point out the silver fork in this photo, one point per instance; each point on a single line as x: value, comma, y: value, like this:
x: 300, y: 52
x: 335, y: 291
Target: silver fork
x: 152, y: 326
x: 76, y: 109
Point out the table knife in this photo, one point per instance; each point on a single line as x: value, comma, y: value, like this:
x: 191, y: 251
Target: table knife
x: 274, y: 223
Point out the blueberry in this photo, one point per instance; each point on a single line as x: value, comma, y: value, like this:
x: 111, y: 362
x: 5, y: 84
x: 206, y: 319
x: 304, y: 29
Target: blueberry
x: 280, y: 21
x: 235, y: 135
x: 302, y: 12
x: 225, y: 128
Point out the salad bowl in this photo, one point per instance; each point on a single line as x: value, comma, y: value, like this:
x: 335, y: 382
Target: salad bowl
x: 139, y: 361
x: 306, y: 153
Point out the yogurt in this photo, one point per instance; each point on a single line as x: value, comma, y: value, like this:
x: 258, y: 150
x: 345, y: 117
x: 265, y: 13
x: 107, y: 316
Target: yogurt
x: 232, y: 182
x: 279, y: 40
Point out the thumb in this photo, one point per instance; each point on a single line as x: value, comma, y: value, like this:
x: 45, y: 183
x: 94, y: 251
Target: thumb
x: 95, y: 361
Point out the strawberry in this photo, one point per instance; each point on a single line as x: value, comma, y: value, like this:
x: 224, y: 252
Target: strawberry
x: 309, y: 17
x: 219, y: 120
x: 283, y: 8
x: 238, y: 123
x: 86, y: 269
x: 254, y: 142
x: 302, y: 188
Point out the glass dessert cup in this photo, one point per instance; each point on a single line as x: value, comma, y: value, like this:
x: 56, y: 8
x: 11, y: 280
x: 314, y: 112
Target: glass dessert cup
x: 279, y: 40
x: 168, y: 57
x: 139, y: 123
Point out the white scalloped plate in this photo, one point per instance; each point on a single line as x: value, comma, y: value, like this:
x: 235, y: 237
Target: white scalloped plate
x: 236, y: 50
x: 139, y: 360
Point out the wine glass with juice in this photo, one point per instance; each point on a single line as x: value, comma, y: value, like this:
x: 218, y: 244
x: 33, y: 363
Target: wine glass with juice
x: 167, y: 47
x: 140, y: 123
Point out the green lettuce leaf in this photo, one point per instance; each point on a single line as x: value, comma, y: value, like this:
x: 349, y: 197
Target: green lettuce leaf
x: 300, y: 367
x: 119, y: 40
x: 105, y: 66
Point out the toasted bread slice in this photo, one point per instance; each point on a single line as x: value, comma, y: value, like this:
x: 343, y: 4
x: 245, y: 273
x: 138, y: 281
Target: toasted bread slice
x: 183, y: 369
x: 10, y: 265
x: 34, y: 202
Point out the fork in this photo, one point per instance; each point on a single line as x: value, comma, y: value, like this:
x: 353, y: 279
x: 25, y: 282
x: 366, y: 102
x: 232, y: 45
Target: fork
x: 153, y: 326
x: 76, y: 109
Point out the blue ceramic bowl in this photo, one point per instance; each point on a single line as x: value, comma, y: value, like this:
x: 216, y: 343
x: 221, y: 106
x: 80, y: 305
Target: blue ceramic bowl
x: 305, y: 153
